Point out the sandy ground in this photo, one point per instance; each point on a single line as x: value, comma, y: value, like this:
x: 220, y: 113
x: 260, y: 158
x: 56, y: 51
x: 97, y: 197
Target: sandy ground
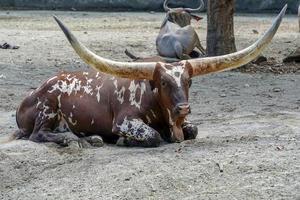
x: 249, y: 123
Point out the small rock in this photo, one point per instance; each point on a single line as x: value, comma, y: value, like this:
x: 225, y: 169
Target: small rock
x: 2, y: 76
x: 223, y: 95
x: 276, y: 90
x: 127, y: 179
x: 220, y: 166
x: 5, y: 45
x: 255, y: 31
x: 279, y: 148
x: 178, y: 150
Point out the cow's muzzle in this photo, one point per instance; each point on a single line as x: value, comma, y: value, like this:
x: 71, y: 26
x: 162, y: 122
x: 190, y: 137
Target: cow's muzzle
x: 182, y: 109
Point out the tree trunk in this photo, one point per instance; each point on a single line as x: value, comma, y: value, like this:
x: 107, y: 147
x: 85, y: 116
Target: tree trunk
x: 299, y: 17
x: 220, y: 30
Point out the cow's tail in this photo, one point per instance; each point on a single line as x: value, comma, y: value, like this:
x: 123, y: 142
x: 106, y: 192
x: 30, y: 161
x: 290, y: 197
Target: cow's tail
x: 130, y: 55
x: 16, y: 135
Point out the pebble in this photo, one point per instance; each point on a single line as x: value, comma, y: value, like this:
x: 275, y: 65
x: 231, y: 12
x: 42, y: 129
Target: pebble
x: 2, y: 76
x: 276, y: 90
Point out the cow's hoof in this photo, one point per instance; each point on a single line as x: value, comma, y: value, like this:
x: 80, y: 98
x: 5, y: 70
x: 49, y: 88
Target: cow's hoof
x: 76, y: 144
x: 96, y: 141
x: 190, y: 131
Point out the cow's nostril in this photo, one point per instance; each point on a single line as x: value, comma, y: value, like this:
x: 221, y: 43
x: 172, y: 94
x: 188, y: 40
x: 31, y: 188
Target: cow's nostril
x: 183, y: 109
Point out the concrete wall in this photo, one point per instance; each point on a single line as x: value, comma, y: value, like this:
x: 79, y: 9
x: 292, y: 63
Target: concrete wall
x: 139, y: 5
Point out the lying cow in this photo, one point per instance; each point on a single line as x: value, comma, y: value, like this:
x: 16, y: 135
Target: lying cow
x: 177, y: 38
x: 134, y: 103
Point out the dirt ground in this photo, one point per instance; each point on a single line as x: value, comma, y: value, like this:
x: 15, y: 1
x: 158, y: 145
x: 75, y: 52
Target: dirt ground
x: 249, y: 123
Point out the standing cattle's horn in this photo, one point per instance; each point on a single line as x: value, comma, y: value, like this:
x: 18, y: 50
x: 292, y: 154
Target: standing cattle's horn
x: 196, y: 9
x: 131, y: 70
x: 166, y: 7
x: 221, y: 63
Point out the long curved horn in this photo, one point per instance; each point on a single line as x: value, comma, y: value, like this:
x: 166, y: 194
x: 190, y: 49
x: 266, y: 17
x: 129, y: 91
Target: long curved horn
x: 166, y: 6
x: 234, y: 60
x: 196, y: 9
x: 131, y: 70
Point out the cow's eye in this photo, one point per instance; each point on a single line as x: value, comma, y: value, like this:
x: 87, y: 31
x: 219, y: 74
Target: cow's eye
x: 163, y: 83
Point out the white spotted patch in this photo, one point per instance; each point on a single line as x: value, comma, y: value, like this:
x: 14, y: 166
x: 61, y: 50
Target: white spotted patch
x: 74, y: 123
x: 170, y: 118
x: 136, y: 129
x: 133, y: 88
x: 45, y: 112
x: 51, y: 79
x: 153, y: 114
x: 73, y: 85
x: 148, y: 119
x: 63, y: 126
x: 120, y: 93
x: 176, y: 73
x: 62, y: 86
x: 98, y: 92
x: 59, y: 101
x: 38, y: 103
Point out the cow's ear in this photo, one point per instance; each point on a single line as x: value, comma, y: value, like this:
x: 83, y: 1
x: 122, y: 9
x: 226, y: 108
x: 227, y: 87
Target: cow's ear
x: 196, y: 17
x: 189, y: 68
x: 156, y: 76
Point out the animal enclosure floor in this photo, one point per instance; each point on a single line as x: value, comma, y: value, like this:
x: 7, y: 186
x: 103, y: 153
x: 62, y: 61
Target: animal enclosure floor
x: 249, y: 123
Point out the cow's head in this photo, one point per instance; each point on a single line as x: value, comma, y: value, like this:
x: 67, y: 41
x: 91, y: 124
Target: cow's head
x: 181, y: 16
x: 171, y: 81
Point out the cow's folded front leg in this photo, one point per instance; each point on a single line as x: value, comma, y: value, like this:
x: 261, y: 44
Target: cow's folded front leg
x: 190, y: 130
x: 94, y: 140
x: 63, y: 139
x: 134, y: 132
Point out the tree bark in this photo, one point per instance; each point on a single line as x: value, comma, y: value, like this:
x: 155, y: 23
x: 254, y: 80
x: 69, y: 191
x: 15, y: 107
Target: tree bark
x: 220, y: 30
x: 299, y: 17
